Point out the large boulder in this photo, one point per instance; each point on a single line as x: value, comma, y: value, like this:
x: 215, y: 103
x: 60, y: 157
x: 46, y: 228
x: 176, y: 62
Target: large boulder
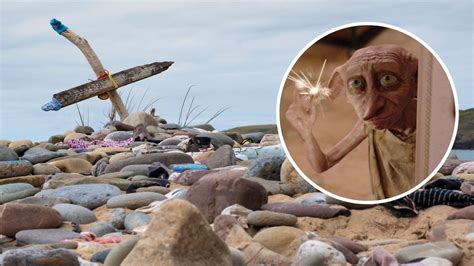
x: 17, y: 217
x: 179, y: 235
x: 15, y: 168
x: 212, y: 194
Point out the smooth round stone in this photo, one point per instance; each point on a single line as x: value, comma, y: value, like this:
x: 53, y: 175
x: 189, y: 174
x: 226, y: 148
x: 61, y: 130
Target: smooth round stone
x: 24, y: 142
x: 102, y: 228
x: 268, y: 218
x: 313, y: 252
x: 34, y: 180
x: 57, y: 182
x: 300, y: 210
x: 137, y: 169
x: 207, y: 127
x: 12, y: 188
x: 45, y: 236
x: 229, y: 190
x: 7, y: 154
x: 236, y: 136
x: 436, y: 262
x: 32, y: 256
x: 134, y: 200
x: 100, y: 256
x: 45, y: 169
x: 155, y: 129
x: 56, y: 139
x: 119, y: 136
x: 15, y: 217
x: 217, y: 139
x: 75, y: 213
x: 136, y: 118
x: 136, y: 219
x: 121, y: 156
x: 222, y: 157
x: 284, y: 240
x: 120, y: 251
x: 440, y: 249
x: 266, y: 168
x: 138, y: 178
x: 179, y: 193
x: 39, y: 155
x: 255, y: 137
x: 15, y: 168
x: 311, y: 198
x: 90, y: 196
x: 156, y: 189
x: 43, y: 201
x: 118, y: 218
x: 164, y: 158
x: 464, y: 168
x: 74, y: 135
x: 84, y: 130
x: 273, y: 187
x: 289, y: 175
x: 170, y: 142
x: 121, y: 175
x: 73, y: 165
x: 170, y: 126
x: 102, y: 133
x: 18, y: 194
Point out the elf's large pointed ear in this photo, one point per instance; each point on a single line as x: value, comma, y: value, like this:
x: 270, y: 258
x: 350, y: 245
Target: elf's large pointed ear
x: 336, y: 81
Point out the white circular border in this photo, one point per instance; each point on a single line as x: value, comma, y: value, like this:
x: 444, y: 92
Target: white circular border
x: 453, y: 89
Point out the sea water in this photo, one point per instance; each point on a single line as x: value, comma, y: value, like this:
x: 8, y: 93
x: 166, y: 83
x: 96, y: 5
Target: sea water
x: 464, y: 154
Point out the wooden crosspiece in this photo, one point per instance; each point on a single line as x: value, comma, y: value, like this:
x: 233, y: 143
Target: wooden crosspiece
x: 105, y: 86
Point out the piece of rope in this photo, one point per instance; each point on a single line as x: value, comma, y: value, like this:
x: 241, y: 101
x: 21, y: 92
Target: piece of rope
x: 111, y: 79
x: 107, y: 74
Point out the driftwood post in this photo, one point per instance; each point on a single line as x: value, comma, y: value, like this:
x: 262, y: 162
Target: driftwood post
x: 106, y: 85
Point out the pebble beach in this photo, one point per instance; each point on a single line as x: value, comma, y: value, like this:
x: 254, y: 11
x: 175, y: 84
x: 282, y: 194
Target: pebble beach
x: 147, y: 192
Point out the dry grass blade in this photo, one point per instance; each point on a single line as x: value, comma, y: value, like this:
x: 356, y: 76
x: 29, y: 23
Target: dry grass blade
x: 183, y: 103
x: 80, y: 115
x: 197, y: 115
x: 217, y: 114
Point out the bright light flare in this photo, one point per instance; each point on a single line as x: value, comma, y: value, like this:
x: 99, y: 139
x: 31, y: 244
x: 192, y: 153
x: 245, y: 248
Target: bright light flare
x: 304, y: 84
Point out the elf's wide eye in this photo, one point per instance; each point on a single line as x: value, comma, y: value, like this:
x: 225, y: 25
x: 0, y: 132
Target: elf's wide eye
x: 388, y: 80
x: 356, y: 84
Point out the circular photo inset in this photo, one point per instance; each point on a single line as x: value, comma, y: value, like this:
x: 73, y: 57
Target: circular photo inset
x: 367, y: 113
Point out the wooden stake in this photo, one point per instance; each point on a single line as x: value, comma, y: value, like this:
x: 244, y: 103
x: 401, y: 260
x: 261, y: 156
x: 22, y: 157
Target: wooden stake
x: 94, y: 62
x: 101, y: 86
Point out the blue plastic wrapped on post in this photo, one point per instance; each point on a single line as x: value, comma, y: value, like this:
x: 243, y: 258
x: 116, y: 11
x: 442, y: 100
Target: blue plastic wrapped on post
x: 53, y: 105
x: 58, y: 26
x: 190, y: 166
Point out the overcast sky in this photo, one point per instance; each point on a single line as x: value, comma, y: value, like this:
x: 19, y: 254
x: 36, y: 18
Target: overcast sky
x: 235, y: 53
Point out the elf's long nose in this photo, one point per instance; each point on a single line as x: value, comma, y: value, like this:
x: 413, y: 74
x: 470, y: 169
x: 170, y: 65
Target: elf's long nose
x: 374, y: 107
